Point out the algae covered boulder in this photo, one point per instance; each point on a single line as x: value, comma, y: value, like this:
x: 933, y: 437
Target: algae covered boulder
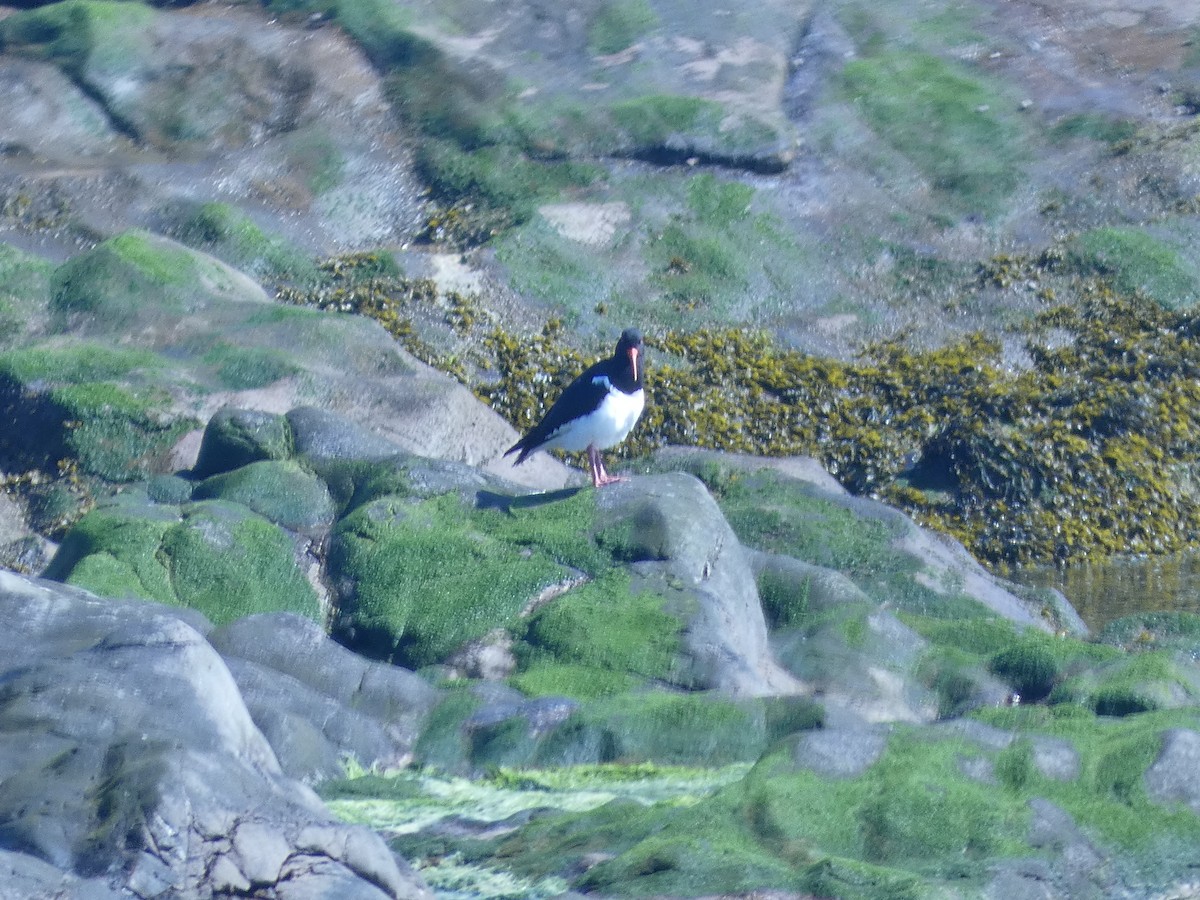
x: 217, y: 557
x: 137, y: 278
x: 236, y: 437
x: 281, y: 491
x: 419, y: 578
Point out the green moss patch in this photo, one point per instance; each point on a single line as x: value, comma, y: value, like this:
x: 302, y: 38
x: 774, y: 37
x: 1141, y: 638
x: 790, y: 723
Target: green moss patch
x: 114, y: 434
x: 77, y: 33
x: 228, y: 562
x: 218, y: 558
x: 429, y: 575
x: 1035, y: 665
x: 230, y: 234
x: 244, y: 368
x: 652, y: 726
x: 1136, y: 260
x: 281, y: 492
x: 618, y: 24
x: 945, y: 120
x: 114, y: 551
x: 604, y: 629
x: 135, y: 275
x: 1138, y: 683
x: 24, y: 291
x: 80, y: 363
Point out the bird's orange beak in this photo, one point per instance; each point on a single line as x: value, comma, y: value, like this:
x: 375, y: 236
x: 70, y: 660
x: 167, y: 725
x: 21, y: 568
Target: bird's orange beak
x: 633, y: 361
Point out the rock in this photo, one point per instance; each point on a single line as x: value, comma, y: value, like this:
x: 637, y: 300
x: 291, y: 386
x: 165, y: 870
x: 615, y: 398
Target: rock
x: 490, y: 657
x: 798, y: 468
x: 214, y: 556
x: 1174, y: 777
x: 317, y: 701
x: 860, y: 662
x: 673, y: 532
x: 237, y: 437
x: 133, y: 755
x: 281, y: 492
x: 321, y: 435
x: 47, y: 116
x: 838, y: 753
x: 1080, y: 869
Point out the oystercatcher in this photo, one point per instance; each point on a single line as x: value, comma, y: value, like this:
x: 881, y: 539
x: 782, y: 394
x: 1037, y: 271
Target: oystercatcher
x: 596, y: 411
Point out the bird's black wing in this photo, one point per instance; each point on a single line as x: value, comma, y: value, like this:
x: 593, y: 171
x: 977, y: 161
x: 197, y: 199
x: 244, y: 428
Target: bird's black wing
x: 581, y: 397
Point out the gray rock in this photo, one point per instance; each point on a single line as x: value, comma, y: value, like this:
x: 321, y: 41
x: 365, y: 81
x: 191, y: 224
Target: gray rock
x: 839, y: 753
x: 126, y: 749
x: 371, y: 710
x: 311, y: 733
x: 674, y: 533
x: 871, y: 676
x: 1079, y: 869
x: 24, y: 877
x: 1174, y: 777
x: 237, y: 437
x: 321, y: 435
x: 1056, y: 758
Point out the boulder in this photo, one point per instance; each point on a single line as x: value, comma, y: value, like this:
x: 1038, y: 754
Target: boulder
x: 316, y: 701
x: 673, y: 533
x: 237, y: 437
x: 1174, y: 777
x: 127, y: 754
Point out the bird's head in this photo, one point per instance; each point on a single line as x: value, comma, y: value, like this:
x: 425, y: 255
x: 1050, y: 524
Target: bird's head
x: 630, y: 347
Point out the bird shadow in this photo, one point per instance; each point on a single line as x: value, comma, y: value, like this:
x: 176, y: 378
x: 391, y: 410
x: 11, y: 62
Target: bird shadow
x: 507, y: 503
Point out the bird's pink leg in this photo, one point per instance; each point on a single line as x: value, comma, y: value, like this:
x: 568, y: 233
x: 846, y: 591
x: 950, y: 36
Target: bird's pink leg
x: 600, y: 477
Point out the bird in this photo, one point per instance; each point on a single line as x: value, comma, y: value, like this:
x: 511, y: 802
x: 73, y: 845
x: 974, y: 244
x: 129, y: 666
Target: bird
x: 596, y: 411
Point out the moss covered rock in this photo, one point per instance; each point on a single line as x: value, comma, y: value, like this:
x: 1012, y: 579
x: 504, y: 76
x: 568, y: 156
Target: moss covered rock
x: 237, y: 437
x: 1139, y: 683
x: 216, y: 557
x: 280, y: 491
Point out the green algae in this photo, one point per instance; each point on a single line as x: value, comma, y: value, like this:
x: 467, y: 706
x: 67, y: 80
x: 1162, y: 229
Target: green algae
x: 427, y: 578
x: 652, y: 726
x: 227, y: 562
x: 618, y: 24
x: 230, y: 234
x: 135, y: 271
x: 245, y: 368
x: 218, y: 558
x: 1140, y: 682
x: 79, y: 33
x: 1137, y: 260
x: 1034, y: 664
x: 82, y: 362
x: 114, y: 551
x: 408, y: 803
x: 279, y: 491
x: 945, y: 120
x: 603, y: 625
x: 24, y: 291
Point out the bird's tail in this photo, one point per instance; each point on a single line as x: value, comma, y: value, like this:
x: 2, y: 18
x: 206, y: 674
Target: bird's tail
x: 525, y: 451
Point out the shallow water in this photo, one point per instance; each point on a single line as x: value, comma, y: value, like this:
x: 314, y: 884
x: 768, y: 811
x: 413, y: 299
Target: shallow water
x: 1104, y: 591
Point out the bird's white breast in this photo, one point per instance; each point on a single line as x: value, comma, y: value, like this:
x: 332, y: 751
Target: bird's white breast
x: 606, y: 426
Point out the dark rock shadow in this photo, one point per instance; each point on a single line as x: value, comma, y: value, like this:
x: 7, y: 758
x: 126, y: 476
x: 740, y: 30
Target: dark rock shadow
x: 507, y: 503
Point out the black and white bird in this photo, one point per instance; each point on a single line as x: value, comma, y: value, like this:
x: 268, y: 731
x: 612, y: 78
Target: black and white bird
x: 596, y: 411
